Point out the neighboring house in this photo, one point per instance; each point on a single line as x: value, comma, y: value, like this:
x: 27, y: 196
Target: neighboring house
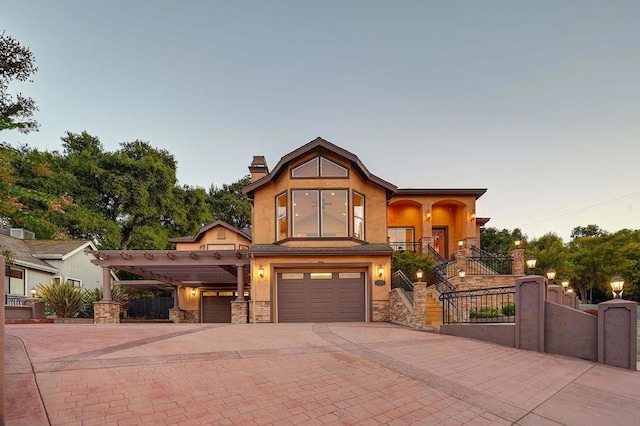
x: 33, y: 262
x: 324, y: 229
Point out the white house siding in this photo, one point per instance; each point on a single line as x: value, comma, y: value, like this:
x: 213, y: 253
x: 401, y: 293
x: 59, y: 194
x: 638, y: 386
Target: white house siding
x: 79, y: 267
x: 34, y: 278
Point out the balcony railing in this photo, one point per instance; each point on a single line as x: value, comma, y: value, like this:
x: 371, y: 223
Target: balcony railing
x: 414, y: 246
x: 13, y: 299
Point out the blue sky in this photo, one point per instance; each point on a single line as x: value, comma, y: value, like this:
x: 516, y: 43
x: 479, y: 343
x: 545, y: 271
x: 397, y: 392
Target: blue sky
x: 539, y: 102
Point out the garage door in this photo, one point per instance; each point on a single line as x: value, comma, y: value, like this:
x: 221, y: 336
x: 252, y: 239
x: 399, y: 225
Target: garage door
x: 321, y: 297
x: 216, y: 306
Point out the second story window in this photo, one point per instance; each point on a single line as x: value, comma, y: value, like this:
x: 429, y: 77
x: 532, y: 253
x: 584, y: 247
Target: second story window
x: 358, y: 216
x: 319, y: 213
x: 281, y: 216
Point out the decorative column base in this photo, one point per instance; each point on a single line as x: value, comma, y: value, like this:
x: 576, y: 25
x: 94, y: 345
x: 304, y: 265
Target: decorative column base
x: 176, y: 315
x: 239, y: 311
x: 106, y: 313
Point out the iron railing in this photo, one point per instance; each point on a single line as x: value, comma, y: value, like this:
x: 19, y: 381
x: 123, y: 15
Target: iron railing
x: 435, y: 255
x: 486, y: 305
x: 493, y: 265
x: 442, y: 276
x: 413, y: 246
x: 13, y: 299
x: 400, y: 280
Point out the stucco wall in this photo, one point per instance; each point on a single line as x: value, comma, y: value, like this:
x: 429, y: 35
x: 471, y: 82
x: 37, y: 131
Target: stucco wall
x: 502, y: 334
x: 570, y: 332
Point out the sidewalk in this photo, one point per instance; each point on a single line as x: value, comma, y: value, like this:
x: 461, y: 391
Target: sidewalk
x: 337, y: 373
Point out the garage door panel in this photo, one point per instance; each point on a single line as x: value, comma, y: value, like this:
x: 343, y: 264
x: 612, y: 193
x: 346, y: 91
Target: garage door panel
x: 216, y: 309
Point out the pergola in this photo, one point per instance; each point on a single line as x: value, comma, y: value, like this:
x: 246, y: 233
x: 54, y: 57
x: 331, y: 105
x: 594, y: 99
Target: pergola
x: 176, y: 268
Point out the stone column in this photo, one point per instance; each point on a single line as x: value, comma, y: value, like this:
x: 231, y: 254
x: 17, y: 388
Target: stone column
x: 420, y: 304
x: 240, y: 280
x: 106, y: 284
x: 518, y: 262
x: 531, y: 292
x: 106, y: 312
x: 2, y: 410
x: 239, y: 311
x: 618, y: 333
x: 555, y: 294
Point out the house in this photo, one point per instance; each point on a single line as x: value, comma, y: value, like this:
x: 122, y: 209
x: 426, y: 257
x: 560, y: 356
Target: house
x: 33, y: 262
x: 324, y: 229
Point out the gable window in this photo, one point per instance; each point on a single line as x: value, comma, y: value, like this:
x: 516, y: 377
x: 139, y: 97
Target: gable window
x: 319, y: 213
x: 281, y: 214
x: 358, y: 216
x: 319, y: 167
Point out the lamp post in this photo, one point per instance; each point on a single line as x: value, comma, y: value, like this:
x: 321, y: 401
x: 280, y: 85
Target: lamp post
x: 419, y: 275
x: 551, y: 274
x: 565, y: 284
x: 460, y: 244
x: 531, y: 264
x: 617, y: 283
x: 461, y: 274
x: 517, y: 243
x: 33, y: 292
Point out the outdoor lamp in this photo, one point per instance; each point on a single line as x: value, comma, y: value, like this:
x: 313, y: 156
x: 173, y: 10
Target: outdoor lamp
x: 616, y: 285
x: 565, y: 284
x: 472, y: 217
x: 531, y: 263
x: 427, y: 215
x: 261, y: 271
x: 461, y: 274
x: 569, y: 290
x: 193, y: 291
x: 551, y: 274
x: 460, y: 244
x: 419, y: 274
x: 380, y: 271
x: 517, y: 243
x: 33, y: 292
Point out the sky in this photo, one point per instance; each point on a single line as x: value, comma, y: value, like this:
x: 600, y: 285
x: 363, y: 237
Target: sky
x: 538, y: 102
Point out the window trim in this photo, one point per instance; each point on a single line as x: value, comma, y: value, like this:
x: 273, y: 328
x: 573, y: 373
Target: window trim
x: 66, y: 279
x: 319, y: 216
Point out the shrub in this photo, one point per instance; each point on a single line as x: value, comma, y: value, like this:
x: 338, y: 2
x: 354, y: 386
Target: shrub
x: 485, y: 312
x: 509, y: 310
x: 90, y: 296
x: 63, y: 299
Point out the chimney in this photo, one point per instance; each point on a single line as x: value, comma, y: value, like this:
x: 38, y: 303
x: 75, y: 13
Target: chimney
x: 258, y: 168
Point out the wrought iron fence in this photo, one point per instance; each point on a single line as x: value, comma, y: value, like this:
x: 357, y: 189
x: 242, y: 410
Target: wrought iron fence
x: 489, y: 265
x: 401, y: 281
x: 13, y: 299
x: 486, y: 305
x: 413, y: 246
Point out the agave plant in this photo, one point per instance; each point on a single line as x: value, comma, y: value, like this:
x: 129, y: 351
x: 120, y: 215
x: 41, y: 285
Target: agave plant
x: 63, y: 299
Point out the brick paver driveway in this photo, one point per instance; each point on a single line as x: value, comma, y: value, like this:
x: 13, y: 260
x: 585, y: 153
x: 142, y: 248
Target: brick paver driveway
x: 337, y: 373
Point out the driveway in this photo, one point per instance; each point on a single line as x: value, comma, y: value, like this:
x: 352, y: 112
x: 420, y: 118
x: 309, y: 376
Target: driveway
x: 336, y: 373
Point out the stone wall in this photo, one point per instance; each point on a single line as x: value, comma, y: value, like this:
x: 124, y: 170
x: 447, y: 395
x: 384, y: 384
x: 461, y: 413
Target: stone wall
x: 239, y: 311
x: 474, y: 282
x: 191, y: 316
x: 380, y: 310
x: 401, y: 311
x: 106, y: 313
x: 262, y: 312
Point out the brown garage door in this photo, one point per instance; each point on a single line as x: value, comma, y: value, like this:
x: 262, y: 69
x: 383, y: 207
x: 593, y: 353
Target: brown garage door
x: 216, y: 306
x: 321, y: 297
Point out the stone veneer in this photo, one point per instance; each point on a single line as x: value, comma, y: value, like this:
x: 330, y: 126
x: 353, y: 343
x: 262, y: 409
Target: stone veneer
x: 176, y: 315
x: 106, y: 313
x: 380, y: 310
x: 239, y: 311
x: 191, y: 316
x: 401, y: 311
x: 262, y: 312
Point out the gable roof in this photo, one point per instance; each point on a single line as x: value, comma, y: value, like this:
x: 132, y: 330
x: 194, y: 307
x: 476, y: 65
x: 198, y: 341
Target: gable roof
x: 21, y: 254
x: 57, y: 249
x: 319, y: 145
x: 203, y: 230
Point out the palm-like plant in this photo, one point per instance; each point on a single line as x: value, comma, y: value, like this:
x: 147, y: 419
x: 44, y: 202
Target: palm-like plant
x: 64, y: 299
x: 90, y: 296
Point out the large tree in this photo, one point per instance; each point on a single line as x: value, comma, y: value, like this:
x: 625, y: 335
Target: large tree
x: 16, y: 63
x: 500, y: 241
x: 230, y: 204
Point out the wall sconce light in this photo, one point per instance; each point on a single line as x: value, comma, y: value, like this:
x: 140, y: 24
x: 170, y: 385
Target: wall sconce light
x: 565, y: 284
x: 472, y: 217
x: 460, y: 244
x: 193, y: 291
x: 531, y: 264
x: 461, y: 274
x: 33, y: 291
x: 261, y: 272
x: 427, y: 215
x: 617, y: 283
x: 380, y: 271
x: 551, y: 274
x: 419, y: 274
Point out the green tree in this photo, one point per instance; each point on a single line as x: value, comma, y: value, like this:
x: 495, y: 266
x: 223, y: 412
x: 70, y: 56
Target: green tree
x: 409, y: 263
x: 230, y: 204
x: 587, y: 231
x: 550, y: 253
x: 500, y: 241
x: 16, y: 63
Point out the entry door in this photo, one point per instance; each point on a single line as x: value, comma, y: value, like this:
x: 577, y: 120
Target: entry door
x: 440, y: 241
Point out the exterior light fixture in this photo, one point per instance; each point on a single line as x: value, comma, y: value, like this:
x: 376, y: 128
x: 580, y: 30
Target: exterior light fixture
x: 261, y: 272
x: 461, y: 274
x: 460, y: 244
x: 551, y: 274
x: 419, y: 274
x: 472, y: 217
x: 427, y: 215
x: 193, y: 291
x: 33, y: 292
x: 617, y: 283
x: 565, y: 284
x: 380, y: 271
x: 517, y: 243
x: 531, y: 263
x: 569, y: 290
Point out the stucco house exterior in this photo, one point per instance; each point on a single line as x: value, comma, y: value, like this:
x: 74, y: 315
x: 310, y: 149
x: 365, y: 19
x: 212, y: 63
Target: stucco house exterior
x: 33, y: 262
x: 324, y: 229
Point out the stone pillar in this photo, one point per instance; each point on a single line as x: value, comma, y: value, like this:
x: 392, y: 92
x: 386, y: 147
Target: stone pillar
x: 240, y: 280
x: 420, y: 304
x: 555, y: 294
x: 2, y: 410
x: 37, y: 307
x: 106, y: 284
x: 518, y: 262
x: 106, y: 312
x: 531, y: 292
x: 239, y: 311
x: 618, y: 333
x: 570, y: 299
x: 176, y: 315
x: 461, y: 260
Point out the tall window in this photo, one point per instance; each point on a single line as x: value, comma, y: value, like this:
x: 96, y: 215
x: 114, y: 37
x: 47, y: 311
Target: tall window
x: 401, y: 238
x: 13, y: 280
x: 320, y: 213
x: 281, y: 214
x: 358, y: 216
